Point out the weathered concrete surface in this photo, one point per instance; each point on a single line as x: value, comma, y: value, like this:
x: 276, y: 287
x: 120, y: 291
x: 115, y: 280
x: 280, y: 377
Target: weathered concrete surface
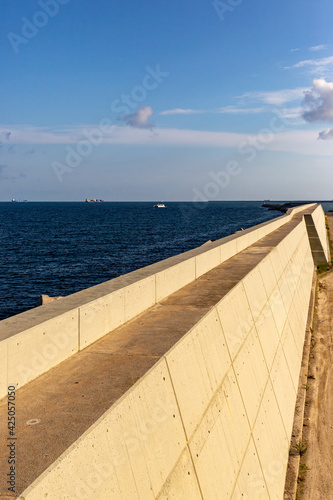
x: 30, y: 353
x: 46, y: 299
x: 98, y: 310
x: 213, y: 366
x: 125, y: 355
x: 72, y: 396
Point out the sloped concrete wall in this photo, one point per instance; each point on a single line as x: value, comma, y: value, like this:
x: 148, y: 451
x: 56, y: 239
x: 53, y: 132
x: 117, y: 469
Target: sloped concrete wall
x: 213, y: 418
x: 315, y: 223
x: 31, y: 341
x: 318, y: 217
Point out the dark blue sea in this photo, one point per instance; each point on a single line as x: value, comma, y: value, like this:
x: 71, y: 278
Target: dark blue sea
x: 61, y: 248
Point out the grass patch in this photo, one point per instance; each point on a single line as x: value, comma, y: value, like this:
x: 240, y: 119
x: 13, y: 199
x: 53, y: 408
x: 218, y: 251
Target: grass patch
x: 329, y: 238
x: 324, y: 268
x: 303, y: 468
x: 301, y: 447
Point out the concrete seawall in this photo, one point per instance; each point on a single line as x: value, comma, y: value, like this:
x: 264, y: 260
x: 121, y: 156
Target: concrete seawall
x: 33, y: 342
x: 212, y: 417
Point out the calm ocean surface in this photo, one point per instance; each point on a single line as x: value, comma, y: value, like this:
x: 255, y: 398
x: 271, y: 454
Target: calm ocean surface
x: 61, y: 248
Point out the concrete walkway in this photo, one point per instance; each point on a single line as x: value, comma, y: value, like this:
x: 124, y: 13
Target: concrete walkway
x: 68, y: 399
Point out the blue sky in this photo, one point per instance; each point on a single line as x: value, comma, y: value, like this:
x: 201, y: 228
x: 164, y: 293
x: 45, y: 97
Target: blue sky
x: 168, y: 100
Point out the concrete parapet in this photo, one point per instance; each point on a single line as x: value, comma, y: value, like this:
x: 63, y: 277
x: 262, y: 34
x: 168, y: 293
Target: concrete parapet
x: 318, y: 217
x: 315, y: 224
x: 32, y: 352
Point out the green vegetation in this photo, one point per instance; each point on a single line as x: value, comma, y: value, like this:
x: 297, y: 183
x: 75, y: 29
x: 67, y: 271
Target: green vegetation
x: 325, y: 268
x: 329, y: 238
x: 302, y: 470
x: 301, y: 447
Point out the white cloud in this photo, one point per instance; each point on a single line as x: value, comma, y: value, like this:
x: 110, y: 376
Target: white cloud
x: 325, y: 61
x: 233, y: 110
x: 315, y: 66
x: 223, y: 110
x: 181, y: 111
x: 25, y: 134
x: 140, y: 118
x: 276, y: 97
x: 326, y: 134
x: 318, y: 102
x: 291, y: 112
x: 291, y: 116
x: 268, y: 98
x: 296, y: 141
x: 316, y: 48
x: 294, y: 50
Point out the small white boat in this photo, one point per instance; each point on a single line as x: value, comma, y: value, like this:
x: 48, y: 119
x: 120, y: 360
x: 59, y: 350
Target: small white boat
x: 159, y: 205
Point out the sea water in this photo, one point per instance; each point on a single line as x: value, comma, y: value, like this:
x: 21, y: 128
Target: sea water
x: 61, y: 248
